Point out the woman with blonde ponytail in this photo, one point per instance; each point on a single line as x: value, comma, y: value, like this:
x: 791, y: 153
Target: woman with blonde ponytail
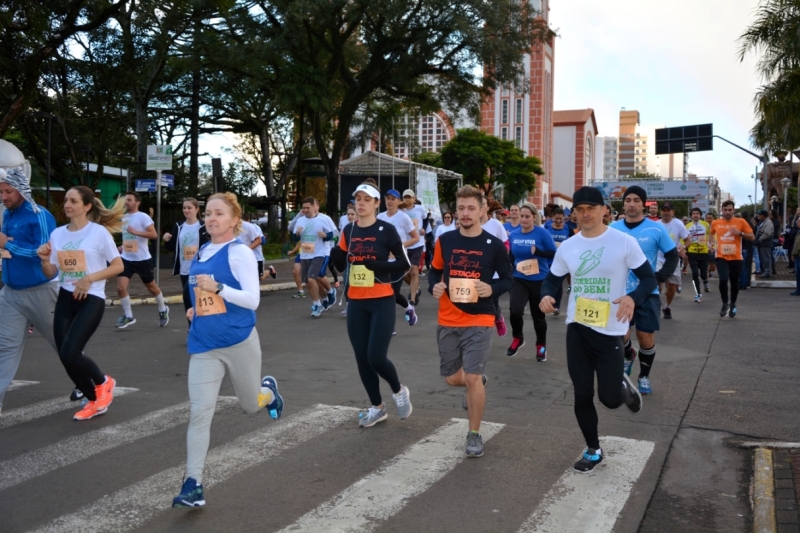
x: 84, y: 256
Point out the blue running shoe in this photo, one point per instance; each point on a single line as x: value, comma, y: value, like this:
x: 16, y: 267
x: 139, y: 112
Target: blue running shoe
x: 275, y: 407
x: 191, y: 495
x: 325, y: 304
x: 316, y: 310
x: 411, y: 316
x: 588, y: 461
x: 628, y: 365
x: 332, y: 297
x: 644, y: 386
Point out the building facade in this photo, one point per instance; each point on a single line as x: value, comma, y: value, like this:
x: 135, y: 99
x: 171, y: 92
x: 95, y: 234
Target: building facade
x: 606, y: 166
x: 574, y: 137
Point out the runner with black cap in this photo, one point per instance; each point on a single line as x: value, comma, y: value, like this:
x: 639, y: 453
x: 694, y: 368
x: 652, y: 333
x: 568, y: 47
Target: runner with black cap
x: 600, y: 309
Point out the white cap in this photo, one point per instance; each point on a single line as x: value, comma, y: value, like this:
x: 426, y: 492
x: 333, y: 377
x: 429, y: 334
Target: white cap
x: 369, y: 189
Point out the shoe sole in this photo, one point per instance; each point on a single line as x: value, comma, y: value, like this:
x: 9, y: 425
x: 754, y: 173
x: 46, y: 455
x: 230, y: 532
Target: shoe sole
x: 541, y: 359
x: 167, y: 318
x: 97, y: 413
x: 185, y: 504
x: 630, y: 384
x: 123, y: 326
x: 516, y: 351
x: 381, y: 419
x: 473, y: 455
x: 732, y: 314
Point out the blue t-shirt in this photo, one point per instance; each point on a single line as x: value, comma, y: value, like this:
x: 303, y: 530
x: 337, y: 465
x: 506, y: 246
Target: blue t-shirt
x: 559, y: 235
x: 521, y: 243
x: 509, y: 227
x: 652, y: 237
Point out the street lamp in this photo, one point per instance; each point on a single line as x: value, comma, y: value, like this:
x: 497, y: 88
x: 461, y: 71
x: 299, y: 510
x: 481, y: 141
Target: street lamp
x: 785, y: 182
x: 49, y: 117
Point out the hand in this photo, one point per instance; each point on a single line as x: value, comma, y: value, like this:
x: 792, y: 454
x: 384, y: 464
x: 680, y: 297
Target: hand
x: 321, y: 234
x: 190, y: 314
x: 533, y: 249
x: 438, y: 289
x: 3, y: 239
x: 205, y: 283
x: 82, y: 288
x: 546, y: 305
x: 132, y: 231
x: 625, y: 309
x: 167, y: 237
x: 483, y: 289
x: 44, y: 252
x: 369, y: 264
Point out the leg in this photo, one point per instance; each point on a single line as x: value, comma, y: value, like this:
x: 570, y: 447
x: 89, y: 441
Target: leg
x: 519, y: 296
x: 296, y: 275
x: 539, y: 321
x: 797, y: 274
x: 380, y: 335
x: 359, y: 320
x: 608, y: 353
x: 13, y: 335
x: 414, y: 281
x: 724, y: 274
x: 398, y: 296
x: 476, y: 346
x: 313, y: 289
x: 122, y: 286
x: 736, y: 273
x: 694, y: 263
x: 476, y: 399
x: 581, y: 366
x: 671, y: 290
x: 647, y: 352
x: 559, y: 295
x: 153, y: 288
x: 74, y: 324
x: 243, y: 362
x: 187, y: 300
x: 205, y: 377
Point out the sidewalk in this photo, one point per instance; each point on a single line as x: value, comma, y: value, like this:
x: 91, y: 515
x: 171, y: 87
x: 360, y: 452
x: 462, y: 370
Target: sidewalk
x: 782, y: 277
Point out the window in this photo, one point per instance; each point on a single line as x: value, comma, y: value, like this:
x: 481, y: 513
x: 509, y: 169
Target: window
x: 518, y: 111
x: 504, y: 133
x: 504, y: 114
x: 518, y: 137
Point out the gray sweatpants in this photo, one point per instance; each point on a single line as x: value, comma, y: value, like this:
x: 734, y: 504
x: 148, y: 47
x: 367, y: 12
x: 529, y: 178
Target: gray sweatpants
x: 206, y: 370
x: 19, y: 309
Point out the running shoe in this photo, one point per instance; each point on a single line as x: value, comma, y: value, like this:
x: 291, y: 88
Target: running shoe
x: 325, y: 304
x: 76, y: 395
x: 631, y: 395
x: 163, y: 317
x: 332, y: 297
x: 411, y: 316
x: 516, y: 344
x: 733, y: 311
x: 403, y: 402
x: 299, y: 294
x: 125, y: 321
x: 500, y: 324
x: 698, y: 298
x: 644, y: 385
x: 272, y: 272
x: 541, y: 353
x: 464, y: 399
x: 474, y: 444
x: 680, y: 288
x: 344, y: 313
x: 30, y: 329
x: 588, y: 461
x: 724, y: 310
x: 705, y: 286
x: 316, y: 311
x: 372, y: 417
x: 667, y: 313
x: 556, y: 311
x: 270, y: 397
x: 627, y: 365
x: 89, y: 410
x: 191, y: 495
x: 105, y: 393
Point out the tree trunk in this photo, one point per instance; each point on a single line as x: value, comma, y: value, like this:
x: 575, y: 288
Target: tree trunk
x: 267, y: 176
x: 194, y: 135
x: 141, y: 134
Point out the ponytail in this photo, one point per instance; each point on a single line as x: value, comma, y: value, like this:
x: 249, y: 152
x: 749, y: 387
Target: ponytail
x: 109, y: 218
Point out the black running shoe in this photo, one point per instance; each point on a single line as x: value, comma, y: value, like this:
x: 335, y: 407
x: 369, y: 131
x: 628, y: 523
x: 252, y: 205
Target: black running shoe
x: 724, y: 310
x: 667, y: 313
x: 588, y: 461
x: 76, y: 395
x: 631, y: 395
x: 733, y: 311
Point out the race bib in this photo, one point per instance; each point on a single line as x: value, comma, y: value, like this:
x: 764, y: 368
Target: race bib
x: 463, y: 291
x: 529, y: 267
x: 189, y: 252
x: 130, y: 246
x: 208, y: 303
x: 307, y: 247
x: 361, y: 276
x: 727, y: 249
x: 592, y: 312
x: 72, y: 261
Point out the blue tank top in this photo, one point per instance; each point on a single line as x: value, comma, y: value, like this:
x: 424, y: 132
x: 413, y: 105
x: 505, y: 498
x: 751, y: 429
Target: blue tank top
x: 226, y: 329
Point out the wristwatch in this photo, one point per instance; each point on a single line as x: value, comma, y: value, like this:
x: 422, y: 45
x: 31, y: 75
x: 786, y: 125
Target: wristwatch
x: 220, y: 286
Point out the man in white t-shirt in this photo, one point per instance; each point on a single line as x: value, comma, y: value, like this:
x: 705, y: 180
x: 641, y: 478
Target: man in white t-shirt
x: 494, y: 227
x: 315, y: 232
x: 409, y: 235
x: 137, y: 229
x: 678, y: 232
x: 599, y: 312
x: 417, y: 215
x: 253, y: 237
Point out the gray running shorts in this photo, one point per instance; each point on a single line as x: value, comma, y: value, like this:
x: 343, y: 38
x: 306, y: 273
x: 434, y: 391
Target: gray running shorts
x: 464, y: 347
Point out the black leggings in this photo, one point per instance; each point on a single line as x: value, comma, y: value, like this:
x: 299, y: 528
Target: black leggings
x: 699, y: 264
x: 729, y: 270
x: 74, y: 323
x: 370, y: 323
x: 527, y: 292
x: 590, y: 352
x: 187, y: 300
x: 401, y: 300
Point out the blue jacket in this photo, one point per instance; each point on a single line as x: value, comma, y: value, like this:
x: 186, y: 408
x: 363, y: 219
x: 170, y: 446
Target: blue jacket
x: 26, y: 231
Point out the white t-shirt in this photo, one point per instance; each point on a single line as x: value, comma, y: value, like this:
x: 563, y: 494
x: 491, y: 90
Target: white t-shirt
x: 244, y: 268
x: 599, y: 268
x: 417, y: 214
x: 307, y: 228
x: 443, y: 229
x: 251, y: 232
x: 343, y: 222
x: 677, y: 231
x: 495, y: 227
x: 189, y: 235
x: 330, y: 244
x: 83, y: 252
x: 402, y: 224
x: 137, y: 249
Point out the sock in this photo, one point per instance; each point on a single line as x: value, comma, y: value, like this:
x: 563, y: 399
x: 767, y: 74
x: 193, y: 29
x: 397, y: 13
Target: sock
x: 330, y: 291
x: 410, y: 307
x: 475, y: 432
x: 646, y: 358
x: 160, y: 300
x: 266, y: 397
x: 317, y: 302
x: 126, y: 306
x: 301, y: 291
x: 628, y: 351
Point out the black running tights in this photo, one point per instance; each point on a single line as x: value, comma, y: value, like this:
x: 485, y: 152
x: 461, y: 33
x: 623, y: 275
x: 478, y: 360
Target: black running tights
x: 527, y: 292
x: 729, y: 271
x: 699, y: 264
x: 74, y: 323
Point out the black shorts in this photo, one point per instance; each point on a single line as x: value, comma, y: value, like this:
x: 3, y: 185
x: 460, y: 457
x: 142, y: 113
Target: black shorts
x: 260, y: 268
x: 145, y: 269
x: 414, y: 255
x: 646, y: 317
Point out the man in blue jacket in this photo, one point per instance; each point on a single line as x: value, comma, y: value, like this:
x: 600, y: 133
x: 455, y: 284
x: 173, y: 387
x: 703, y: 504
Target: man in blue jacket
x: 28, y: 296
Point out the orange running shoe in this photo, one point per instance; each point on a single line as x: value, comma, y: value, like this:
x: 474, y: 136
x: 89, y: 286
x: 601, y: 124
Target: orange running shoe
x: 89, y: 410
x: 105, y: 393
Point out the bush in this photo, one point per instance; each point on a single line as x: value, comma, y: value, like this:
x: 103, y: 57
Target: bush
x: 272, y: 251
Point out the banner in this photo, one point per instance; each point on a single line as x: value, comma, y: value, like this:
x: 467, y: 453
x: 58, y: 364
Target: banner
x: 655, y: 188
x: 159, y: 157
x: 428, y: 192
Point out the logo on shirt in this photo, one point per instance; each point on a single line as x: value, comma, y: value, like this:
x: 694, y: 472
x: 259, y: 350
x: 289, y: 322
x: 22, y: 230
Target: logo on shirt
x: 589, y: 261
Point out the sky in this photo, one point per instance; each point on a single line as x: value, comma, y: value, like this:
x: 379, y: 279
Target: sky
x: 677, y: 63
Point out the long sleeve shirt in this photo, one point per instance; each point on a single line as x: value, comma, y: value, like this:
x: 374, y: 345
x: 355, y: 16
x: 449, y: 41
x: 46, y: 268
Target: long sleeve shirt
x: 26, y: 231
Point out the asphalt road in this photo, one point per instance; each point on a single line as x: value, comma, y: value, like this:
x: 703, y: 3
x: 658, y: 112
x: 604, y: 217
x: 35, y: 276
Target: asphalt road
x: 673, y: 467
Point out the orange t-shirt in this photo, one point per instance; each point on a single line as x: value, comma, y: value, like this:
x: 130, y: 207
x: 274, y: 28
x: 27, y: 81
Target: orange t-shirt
x: 729, y: 247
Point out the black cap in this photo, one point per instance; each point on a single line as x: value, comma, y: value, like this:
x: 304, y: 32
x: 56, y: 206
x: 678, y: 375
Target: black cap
x: 638, y: 191
x: 587, y: 195
x: 666, y: 205
x: 763, y: 213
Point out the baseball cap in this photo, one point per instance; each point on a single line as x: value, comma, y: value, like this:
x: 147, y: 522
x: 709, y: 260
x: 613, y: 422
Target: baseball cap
x: 666, y: 205
x: 409, y: 192
x: 393, y: 192
x: 587, y: 195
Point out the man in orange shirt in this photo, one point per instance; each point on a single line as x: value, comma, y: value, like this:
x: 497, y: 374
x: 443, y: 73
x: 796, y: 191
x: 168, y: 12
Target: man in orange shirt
x: 729, y: 232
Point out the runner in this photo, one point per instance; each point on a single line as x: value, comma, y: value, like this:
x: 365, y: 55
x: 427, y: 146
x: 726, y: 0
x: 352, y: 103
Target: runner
x: 532, y: 249
x: 27, y: 297
x: 253, y: 237
x: 652, y: 212
x: 367, y: 247
x: 315, y: 232
x: 697, y: 251
x: 447, y: 225
x: 729, y: 232
x: 464, y: 263
x: 560, y: 232
x: 409, y: 236
x: 678, y: 232
x: 225, y: 295
x: 189, y: 237
x: 298, y: 281
x: 84, y: 256
x: 351, y: 218
x: 652, y: 238
x: 345, y: 219
x: 137, y: 228
x: 417, y: 215
x: 599, y: 260
x: 496, y: 229
x: 712, y: 252
x: 512, y: 223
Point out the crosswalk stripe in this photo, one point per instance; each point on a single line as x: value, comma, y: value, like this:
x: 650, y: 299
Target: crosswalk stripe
x: 18, y: 383
x: 592, y: 502
x: 74, y: 449
x: 131, y: 507
x: 382, y: 494
x: 46, y: 408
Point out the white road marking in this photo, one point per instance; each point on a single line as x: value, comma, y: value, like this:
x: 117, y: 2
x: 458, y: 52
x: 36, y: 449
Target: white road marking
x: 592, y: 502
x: 132, y: 506
x: 74, y: 449
x: 46, y: 408
x: 17, y: 383
x: 383, y: 493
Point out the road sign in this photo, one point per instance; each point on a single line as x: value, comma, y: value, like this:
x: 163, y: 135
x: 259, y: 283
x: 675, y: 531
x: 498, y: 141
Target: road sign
x: 681, y: 139
x: 145, y: 186
x: 167, y: 181
x: 159, y: 157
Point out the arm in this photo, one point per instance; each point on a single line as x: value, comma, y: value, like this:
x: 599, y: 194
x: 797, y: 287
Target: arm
x: 148, y: 233
x: 41, y: 237
x: 670, y: 264
x: 399, y: 265
x: 551, y: 284
x: 414, y: 234
x: 503, y: 268
x: 546, y: 254
x: 255, y: 244
x: 436, y: 273
x: 647, y: 281
x: 171, y: 239
x: 245, y: 270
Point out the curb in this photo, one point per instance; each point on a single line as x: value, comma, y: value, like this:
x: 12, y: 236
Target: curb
x: 773, y: 284
x: 763, y: 493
